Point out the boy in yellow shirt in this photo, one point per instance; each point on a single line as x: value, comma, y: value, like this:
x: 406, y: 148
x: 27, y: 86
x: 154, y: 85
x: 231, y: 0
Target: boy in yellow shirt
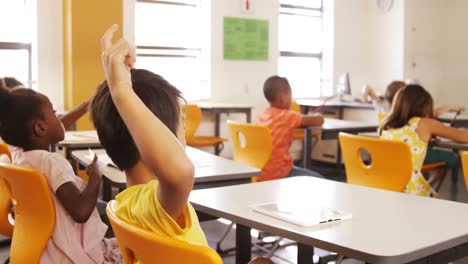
x: 138, y: 118
x: 139, y: 122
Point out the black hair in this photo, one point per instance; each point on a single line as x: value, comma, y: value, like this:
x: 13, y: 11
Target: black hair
x: 275, y: 85
x: 10, y: 82
x: 18, y: 108
x: 157, y: 94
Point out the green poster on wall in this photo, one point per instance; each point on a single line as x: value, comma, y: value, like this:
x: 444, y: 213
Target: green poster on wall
x: 245, y: 39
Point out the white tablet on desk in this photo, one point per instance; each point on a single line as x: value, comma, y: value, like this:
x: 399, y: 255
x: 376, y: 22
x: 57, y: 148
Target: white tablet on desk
x: 303, y: 215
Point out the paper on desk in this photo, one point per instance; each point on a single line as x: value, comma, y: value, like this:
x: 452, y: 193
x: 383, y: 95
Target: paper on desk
x: 103, y: 160
x: 80, y: 135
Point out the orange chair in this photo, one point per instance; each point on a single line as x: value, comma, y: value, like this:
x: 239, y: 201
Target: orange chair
x: 147, y: 247
x: 193, y: 117
x: 383, y: 173
x: 34, y: 212
x: 6, y: 227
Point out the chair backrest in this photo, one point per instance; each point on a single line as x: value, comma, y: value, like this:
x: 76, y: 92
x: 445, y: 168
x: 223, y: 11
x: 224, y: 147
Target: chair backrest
x: 193, y: 117
x: 147, y: 247
x: 390, y: 165
x: 6, y: 228
x: 252, y: 144
x: 381, y: 116
x: 34, y: 212
x: 295, y: 107
x: 464, y: 159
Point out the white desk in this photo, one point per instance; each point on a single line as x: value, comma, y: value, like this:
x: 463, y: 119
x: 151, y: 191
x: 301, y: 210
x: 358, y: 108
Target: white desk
x: 311, y: 104
x: 210, y: 170
x: 386, y: 227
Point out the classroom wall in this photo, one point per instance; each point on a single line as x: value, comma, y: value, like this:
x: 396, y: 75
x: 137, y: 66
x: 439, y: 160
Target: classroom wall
x: 50, y: 51
x: 435, y: 48
x: 368, y: 43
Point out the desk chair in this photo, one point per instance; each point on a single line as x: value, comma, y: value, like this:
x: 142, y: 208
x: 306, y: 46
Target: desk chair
x: 383, y: 173
x: 299, y: 133
x: 464, y: 160
x: 34, y: 212
x: 6, y: 227
x: 252, y: 145
x: 147, y: 247
x: 193, y: 117
x: 426, y: 168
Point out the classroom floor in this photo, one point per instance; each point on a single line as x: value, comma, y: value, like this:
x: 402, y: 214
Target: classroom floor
x: 214, y: 229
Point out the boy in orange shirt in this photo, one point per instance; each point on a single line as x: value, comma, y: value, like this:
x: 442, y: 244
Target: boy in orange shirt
x: 282, y: 121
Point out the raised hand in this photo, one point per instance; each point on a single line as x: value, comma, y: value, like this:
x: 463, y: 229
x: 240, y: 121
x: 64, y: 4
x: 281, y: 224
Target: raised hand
x: 117, y: 59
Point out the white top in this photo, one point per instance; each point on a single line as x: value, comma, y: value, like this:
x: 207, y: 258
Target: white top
x: 386, y: 227
x: 208, y: 167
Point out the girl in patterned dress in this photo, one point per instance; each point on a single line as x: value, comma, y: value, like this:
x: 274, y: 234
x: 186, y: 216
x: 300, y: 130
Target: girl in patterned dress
x: 411, y: 120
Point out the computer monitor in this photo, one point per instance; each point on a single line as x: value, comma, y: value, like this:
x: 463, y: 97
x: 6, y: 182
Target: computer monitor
x: 344, y: 88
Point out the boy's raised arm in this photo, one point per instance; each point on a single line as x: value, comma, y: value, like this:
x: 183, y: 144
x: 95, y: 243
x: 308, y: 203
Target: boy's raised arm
x: 158, y: 147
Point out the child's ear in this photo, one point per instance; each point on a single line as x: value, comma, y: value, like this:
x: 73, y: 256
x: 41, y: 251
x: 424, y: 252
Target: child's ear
x: 40, y: 128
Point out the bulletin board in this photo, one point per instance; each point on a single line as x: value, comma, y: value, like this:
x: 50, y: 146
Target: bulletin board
x: 245, y: 39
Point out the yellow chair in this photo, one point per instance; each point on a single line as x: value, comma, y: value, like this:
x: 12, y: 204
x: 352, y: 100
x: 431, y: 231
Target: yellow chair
x: 382, y: 172
x: 464, y: 160
x: 34, y: 212
x: 6, y: 227
x: 147, y: 247
x: 252, y: 144
x: 193, y: 117
x: 426, y: 167
x: 299, y: 133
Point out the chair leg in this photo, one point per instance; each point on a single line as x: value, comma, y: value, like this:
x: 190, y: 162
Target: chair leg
x: 441, y: 180
x: 223, y: 237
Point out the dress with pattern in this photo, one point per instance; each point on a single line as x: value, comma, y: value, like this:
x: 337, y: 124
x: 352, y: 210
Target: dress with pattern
x: 418, y: 184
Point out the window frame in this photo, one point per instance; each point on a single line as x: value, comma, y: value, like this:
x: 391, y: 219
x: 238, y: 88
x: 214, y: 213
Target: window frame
x: 196, y: 52
x: 317, y: 55
x: 20, y: 46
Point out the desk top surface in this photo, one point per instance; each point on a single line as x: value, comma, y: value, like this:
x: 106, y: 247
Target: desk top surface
x: 208, y: 167
x: 386, y: 227
x: 343, y: 125
x: 219, y: 105
x: 80, y: 139
x: 348, y: 104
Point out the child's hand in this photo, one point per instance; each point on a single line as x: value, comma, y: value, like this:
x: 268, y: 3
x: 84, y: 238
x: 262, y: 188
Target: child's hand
x: 93, y: 170
x: 117, y: 60
x: 456, y: 108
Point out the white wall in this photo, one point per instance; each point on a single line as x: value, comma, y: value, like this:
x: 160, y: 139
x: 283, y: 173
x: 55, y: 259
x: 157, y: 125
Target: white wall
x: 50, y: 51
x: 436, y: 42
x: 368, y: 43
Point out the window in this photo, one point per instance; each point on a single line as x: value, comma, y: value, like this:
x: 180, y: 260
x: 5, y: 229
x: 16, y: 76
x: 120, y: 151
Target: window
x: 175, y: 48
x: 16, y: 35
x: 300, y: 44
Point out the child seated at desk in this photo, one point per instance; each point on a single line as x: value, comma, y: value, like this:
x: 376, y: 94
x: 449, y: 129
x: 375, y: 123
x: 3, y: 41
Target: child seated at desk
x: 432, y: 155
x: 28, y: 122
x: 138, y: 118
x: 282, y: 121
x: 411, y: 120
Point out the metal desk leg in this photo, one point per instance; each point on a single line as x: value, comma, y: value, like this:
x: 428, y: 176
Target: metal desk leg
x: 304, y: 254
x: 454, y: 181
x: 307, y: 148
x: 248, y: 114
x: 106, y: 189
x: 217, y: 130
x: 243, y: 244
